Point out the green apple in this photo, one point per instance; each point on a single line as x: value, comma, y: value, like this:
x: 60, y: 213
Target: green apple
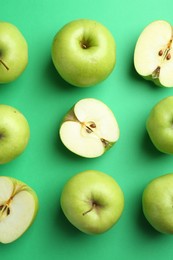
x: 89, y: 129
x: 92, y: 201
x: 157, y: 203
x: 13, y: 52
x: 14, y: 133
x: 83, y: 52
x: 153, y: 56
x: 159, y: 125
x: 18, y: 208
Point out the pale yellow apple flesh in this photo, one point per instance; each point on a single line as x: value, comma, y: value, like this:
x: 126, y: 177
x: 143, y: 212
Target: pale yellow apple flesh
x: 18, y: 208
x: 89, y: 129
x: 153, y: 56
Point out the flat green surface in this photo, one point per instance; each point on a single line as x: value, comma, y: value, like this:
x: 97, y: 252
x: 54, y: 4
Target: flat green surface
x: 46, y: 165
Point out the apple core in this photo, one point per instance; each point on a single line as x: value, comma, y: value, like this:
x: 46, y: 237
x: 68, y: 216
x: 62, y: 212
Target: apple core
x: 89, y: 129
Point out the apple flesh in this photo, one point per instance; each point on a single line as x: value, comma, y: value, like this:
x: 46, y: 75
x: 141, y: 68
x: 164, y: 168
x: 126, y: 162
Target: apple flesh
x: 83, y: 52
x: 153, y: 56
x: 18, y: 208
x: 157, y: 203
x: 89, y: 129
x: 159, y: 125
x: 14, y: 133
x: 13, y: 52
x: 92, y: 201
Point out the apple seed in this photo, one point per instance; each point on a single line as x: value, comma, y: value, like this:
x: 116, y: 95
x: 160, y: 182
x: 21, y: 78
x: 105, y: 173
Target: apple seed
x: 168, y: 57
x: 93, y: 125
x: 88, y: 130
x: 160, y: 53
x: 8, y: 211
x: 4, y: 211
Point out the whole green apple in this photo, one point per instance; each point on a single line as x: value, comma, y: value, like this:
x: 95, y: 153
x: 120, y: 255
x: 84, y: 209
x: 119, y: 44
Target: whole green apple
x: 92, y: 201
x: 157, y: 203
x: 160, y: 125
x: 18, y: 208
x: 14, y: 133
x: 83, y: 52
x: 13, y: 52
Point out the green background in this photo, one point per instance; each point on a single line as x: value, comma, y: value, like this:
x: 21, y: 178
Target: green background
x: 43, y: 97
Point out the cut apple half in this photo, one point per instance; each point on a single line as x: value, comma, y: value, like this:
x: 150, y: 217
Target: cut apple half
x: 89, y: 129
x: 18, y: 208
x: 153, y: 56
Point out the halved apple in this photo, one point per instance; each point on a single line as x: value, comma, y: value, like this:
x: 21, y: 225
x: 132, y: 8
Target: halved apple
x: 18, y: 208
x: 89, y: 129
x: 153, y: 56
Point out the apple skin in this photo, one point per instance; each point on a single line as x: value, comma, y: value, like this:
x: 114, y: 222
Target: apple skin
x: 14, y: 133
x: 84, y: 52
x: 159, y: 125
x: 155, y: 81
x: 92, y: 201
x: 17, y: 187
x: 157, y: 203
x: 13, y: 52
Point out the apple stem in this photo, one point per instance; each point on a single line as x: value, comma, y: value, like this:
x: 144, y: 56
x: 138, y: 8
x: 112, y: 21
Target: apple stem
x: 92, y: 207
x: 1, y: 61
x: 84, y: 46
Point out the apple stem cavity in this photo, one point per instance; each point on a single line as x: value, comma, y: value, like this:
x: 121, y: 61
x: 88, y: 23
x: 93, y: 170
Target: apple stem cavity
x: 3, y: 63
x: 94, y: 205
x: 85, y: 44
x: 1, y: 136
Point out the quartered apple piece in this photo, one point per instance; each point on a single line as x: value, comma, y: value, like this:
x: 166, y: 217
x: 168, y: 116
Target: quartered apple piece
x: 153, y: 56
x: 18, y: 208
x: 89, y: 129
